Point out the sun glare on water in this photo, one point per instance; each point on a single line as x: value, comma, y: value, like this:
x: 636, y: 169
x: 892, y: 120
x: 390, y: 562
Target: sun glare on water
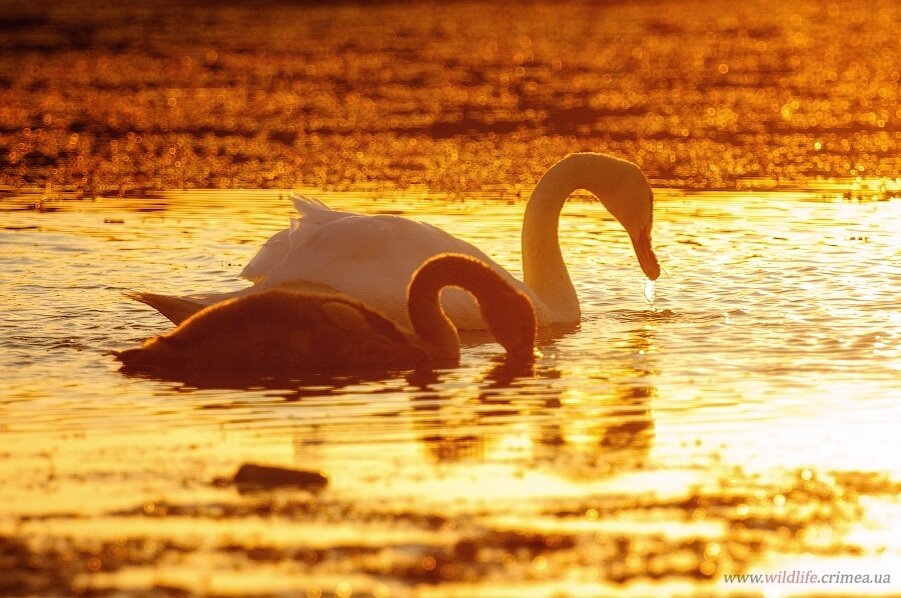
x: 738, y: 418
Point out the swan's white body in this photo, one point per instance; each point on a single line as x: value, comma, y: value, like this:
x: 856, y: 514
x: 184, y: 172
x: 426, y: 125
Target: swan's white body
x: 372, y: 258
x: 367, y: 257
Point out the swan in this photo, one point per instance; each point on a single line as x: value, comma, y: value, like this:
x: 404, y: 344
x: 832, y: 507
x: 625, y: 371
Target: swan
x: 281, y: 331
x: 372, y: 257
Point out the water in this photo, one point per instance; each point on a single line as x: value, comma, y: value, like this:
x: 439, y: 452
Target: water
x: 737, y: 417
x: 745, y: 421
x: 105, y: 95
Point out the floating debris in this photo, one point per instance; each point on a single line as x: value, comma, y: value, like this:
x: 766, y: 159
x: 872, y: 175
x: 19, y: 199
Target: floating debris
x: 265, y: 476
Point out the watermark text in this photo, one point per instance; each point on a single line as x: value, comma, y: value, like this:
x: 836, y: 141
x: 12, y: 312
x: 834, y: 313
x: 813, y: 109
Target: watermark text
x: 811, y: 577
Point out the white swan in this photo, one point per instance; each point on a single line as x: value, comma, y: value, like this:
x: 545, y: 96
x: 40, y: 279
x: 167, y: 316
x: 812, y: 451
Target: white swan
x: 372, y: 258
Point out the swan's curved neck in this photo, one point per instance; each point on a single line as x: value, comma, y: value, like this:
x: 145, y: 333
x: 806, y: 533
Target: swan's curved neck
x: 507, y: 312
x: 544, y: 270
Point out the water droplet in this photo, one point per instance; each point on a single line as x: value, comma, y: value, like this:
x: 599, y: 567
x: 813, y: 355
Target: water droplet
x: 649, y: 291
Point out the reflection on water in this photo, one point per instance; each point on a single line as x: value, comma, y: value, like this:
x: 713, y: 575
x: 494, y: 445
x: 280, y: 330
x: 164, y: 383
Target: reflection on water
x: 743, y: 422
x: 118, y: 97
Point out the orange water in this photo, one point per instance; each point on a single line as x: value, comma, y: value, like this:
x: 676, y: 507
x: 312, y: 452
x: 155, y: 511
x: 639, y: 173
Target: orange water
x: 158, y: 94
x: 744, y: 422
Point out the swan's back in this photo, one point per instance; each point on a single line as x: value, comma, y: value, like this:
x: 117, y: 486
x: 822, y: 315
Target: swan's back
x: 268, y: 261
x: 279, y: 332
x: 364, y: 256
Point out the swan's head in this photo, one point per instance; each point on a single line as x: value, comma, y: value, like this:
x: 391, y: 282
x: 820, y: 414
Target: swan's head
x: 641, y: 240
x: 627, y: 195
x: 510, y: 317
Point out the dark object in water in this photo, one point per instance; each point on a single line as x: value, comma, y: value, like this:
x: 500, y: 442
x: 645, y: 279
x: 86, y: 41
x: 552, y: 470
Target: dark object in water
x: 265, y: 476
x: 282, y: 333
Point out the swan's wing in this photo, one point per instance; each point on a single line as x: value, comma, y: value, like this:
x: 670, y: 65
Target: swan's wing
x: 315, y: 210
x: 313, y: 214
x: 179, y: 309
x: 361, y: 251
x: 176, y: 309
x: 268, y: 255
x: 371, y: 258
x: 279, y: 333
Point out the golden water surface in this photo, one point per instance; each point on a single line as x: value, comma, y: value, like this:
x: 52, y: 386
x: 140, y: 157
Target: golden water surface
x: 745, y: 422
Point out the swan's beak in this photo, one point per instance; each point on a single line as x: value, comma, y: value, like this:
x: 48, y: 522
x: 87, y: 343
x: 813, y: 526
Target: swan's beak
x: 645, y: 252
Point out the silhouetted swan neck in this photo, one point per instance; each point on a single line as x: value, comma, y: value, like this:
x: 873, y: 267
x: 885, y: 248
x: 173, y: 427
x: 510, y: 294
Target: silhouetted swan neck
x: 507, y: 313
